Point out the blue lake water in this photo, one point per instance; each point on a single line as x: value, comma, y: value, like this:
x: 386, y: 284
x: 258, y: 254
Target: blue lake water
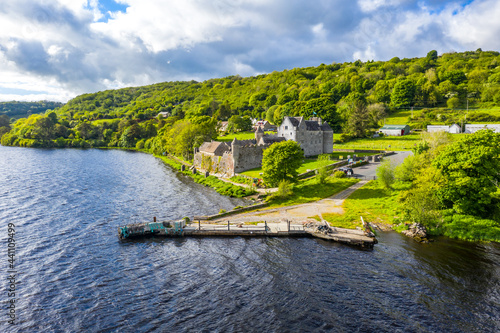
x: 73, y: 274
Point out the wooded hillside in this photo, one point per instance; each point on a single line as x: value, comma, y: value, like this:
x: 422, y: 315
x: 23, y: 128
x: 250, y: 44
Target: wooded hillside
x: 353, y: 97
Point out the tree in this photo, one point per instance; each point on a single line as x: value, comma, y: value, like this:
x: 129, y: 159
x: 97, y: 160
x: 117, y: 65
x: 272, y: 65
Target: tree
x: 472, y: 169
x: 4, y: 124
x: 432, y: 55
x: 43, y: 129
x: 4, y: 121
x: 224, y: 111
x: 421, y: 203
x: 376, y: 113
x: 280, y: 162
x: 359, y: 120
x: 455, y: 76
x: 385, y: 174
x: 453, y: 102
x: 403, y: 93
x: 323, y: 162
x: 322, y: 107
x: 238, y: 123
x: 270, y: 114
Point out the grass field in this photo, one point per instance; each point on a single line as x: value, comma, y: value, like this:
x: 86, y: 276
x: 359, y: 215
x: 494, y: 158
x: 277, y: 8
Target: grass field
x: 406, y: 142
x: 309, y: 190
x: 401, y: 117
x: 372, y: 202
x: 308, y: 164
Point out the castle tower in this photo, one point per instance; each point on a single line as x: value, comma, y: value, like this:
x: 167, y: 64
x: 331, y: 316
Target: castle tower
x: 259, y: 133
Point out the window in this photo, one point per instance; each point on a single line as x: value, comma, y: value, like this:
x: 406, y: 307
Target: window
x: 286, y: 127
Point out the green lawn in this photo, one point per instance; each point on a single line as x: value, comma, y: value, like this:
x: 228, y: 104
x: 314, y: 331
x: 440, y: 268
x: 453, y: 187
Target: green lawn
x: 406, y: 142
x: 372, y: 202
x: 309, y: 190
x: 309, y: 163
x: 401, y: 117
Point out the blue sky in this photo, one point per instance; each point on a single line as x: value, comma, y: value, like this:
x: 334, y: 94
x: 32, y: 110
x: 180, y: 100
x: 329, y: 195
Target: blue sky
x: 57, y: 49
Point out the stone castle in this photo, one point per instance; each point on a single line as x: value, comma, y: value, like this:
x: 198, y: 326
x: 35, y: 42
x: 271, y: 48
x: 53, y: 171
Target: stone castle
x: 314, y: 136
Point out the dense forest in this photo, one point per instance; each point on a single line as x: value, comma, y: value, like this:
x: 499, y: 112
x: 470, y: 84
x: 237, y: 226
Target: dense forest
x: 353, y: 97
x: 16, y: 109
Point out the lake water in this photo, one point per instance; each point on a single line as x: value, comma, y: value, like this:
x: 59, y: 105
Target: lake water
x: 73, y: 275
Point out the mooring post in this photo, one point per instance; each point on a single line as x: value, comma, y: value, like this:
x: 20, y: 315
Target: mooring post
x: 288, y: 222
x: 199, y: 224
x: 154, y: 218
x: 228, y: 225
x: 266, y: 226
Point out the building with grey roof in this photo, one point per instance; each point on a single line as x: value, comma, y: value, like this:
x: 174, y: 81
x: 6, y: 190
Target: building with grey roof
x: 314, y: 136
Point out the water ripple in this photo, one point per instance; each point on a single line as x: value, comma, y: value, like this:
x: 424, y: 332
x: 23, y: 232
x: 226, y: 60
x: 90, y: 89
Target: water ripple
x: 74, y: 274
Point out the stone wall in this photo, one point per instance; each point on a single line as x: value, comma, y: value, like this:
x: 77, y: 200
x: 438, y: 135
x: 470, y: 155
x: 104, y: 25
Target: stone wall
x: 327, y: 142
x: 221, y: 165
x: 311, y: 142
x: 247, y: 157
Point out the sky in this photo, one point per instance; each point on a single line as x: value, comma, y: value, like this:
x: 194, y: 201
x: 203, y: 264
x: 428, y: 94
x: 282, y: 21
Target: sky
x: 58, y: 49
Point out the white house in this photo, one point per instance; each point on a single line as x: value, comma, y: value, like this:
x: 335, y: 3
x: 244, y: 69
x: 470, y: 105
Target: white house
x: 473, y: 128
x: 455, y: 129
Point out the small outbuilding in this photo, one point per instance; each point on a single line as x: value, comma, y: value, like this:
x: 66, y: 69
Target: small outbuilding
x: 164, y: 114
x: 395, y: 130
x: 453, y: 129
x: 473, y: 128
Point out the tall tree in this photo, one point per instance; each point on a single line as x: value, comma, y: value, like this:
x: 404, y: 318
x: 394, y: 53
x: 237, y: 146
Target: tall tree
x: 403, y: 93
x: 280, y: 162
x: 472, y: 169
x: 359, y: 120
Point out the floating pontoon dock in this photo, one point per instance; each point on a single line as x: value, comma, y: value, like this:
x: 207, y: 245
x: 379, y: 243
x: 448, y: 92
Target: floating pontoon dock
x: 262, y: 229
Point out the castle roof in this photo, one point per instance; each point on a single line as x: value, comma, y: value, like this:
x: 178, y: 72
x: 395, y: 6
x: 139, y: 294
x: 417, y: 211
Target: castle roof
x: 267, y: 139
x: 244, y: 142
x: 295, y: 120
x: 325, y: 127
x: 214, y: 147
x: 312, y: 125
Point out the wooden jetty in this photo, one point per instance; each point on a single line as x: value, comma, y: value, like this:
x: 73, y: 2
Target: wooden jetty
x: 284, y: 229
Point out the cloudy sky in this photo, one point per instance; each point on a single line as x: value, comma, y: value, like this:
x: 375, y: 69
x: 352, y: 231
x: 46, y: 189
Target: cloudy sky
x: 57, y: 49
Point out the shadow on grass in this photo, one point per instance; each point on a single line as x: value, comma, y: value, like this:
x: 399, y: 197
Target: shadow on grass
x: 370, y: 193
x: 310, y: 191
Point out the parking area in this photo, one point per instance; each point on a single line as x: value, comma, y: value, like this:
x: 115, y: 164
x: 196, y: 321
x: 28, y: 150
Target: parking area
x: 369, y: 171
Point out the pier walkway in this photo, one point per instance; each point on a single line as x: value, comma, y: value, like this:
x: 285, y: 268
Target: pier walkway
x: 291, y: 221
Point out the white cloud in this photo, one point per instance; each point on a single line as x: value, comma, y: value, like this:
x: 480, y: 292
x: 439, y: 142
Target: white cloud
x: 68, y: 44
x: 477, y: 25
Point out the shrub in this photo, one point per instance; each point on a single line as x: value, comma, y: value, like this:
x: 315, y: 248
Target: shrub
x: 285, y: 190
x: 469, y: 227
x: 344, y: 137
x: 324, y: 161
x: 139, y: 144
x: 385, y: 174
x: 339, y: 174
